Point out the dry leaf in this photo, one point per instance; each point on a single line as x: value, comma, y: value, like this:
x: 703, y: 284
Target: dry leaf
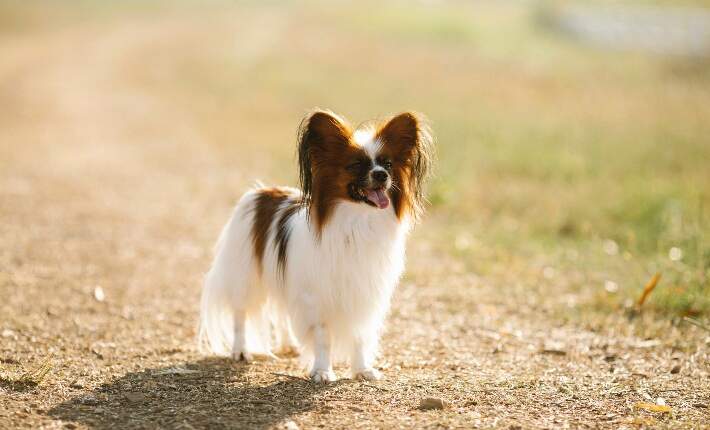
x: 648, y: 289
x: 653, y: 408
x: 643, y: 421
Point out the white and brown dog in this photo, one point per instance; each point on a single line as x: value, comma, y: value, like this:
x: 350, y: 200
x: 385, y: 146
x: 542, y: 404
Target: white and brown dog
x: 322, y: 262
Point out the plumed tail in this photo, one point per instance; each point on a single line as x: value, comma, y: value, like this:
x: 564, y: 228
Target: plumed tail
x: 216, y: 333
x: 227, y: 288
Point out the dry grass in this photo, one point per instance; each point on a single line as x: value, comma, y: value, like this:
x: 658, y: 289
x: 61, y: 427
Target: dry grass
x: 127, y: 132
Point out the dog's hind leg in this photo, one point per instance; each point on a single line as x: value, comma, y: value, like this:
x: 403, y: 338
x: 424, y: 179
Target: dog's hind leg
x: 239, y: 345
x: 286, y: 343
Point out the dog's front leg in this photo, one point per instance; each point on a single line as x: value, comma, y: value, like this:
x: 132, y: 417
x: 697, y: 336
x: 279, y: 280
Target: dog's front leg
x: 322, y: 372
x: 361, y: 361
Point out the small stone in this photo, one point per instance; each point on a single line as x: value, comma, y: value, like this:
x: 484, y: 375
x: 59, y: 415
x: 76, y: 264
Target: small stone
x: 176, y: 371
x: 99, y: 294
x: 432, y: 403
x: 134, y: 397
x: 89, y: 401
x: 290, y: 425
x: 675, y: 369
x: 69, y: 426
x: 554, y: 348
x: 700, y: 405
x: 8, y: 333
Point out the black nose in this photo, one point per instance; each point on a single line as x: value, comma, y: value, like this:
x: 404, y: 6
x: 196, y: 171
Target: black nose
x: 379, y: 175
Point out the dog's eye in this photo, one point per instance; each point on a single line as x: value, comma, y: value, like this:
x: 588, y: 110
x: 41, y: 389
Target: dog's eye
x: 354, y: 166
x: 384, y: 162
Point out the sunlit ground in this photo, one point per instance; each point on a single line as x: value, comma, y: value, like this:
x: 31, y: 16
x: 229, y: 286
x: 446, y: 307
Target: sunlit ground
x: 568, y: 173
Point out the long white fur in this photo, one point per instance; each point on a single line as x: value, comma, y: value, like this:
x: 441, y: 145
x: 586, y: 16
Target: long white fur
x: 335, y: 291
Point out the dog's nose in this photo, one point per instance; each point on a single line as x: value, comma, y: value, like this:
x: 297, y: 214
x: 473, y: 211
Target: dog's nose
x: 379, y: 175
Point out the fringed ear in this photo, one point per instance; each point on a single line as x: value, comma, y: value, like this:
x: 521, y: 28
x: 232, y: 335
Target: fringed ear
x: 319, y: 132
x: 409, y: 136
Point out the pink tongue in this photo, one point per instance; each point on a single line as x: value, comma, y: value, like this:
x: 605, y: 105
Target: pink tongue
x: 379, y: 198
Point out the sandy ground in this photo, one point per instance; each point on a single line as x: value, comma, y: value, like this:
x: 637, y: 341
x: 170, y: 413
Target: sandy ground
x: 110, y: 200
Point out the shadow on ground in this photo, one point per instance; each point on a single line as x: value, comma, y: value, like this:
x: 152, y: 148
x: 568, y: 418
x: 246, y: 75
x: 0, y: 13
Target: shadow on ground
x: 211, y: 393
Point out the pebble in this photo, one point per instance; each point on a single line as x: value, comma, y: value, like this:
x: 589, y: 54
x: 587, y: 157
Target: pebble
x: 432, y: 403
x: 134, y: 397
x: 89, y: 400
x: 290, y: 425
x: 99, y: 294
x: 675, y: 369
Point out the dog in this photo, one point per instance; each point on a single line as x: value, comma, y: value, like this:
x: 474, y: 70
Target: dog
x: 319, y: 264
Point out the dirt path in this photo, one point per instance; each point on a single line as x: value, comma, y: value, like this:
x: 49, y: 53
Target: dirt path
x: 107, y: 187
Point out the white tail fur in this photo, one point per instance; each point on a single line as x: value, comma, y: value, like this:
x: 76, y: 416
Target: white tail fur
x: 227, y: 295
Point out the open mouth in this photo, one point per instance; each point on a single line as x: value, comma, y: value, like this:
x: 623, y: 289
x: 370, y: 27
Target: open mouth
x: 377, y: 197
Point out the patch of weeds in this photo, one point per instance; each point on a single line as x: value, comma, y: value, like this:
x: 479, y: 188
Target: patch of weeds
x: 26, y: 380
x: 684, y: 297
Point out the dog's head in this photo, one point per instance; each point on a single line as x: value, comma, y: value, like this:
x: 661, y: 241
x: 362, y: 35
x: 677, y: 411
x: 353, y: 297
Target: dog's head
x: 378, y: 166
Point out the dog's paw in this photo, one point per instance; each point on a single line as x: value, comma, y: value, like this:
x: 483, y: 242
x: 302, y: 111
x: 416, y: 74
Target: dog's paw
x: 243, y: 356
x: 254, y: 356
x: 320, y: 376
x: 367, y: 375
x: 288, y: 351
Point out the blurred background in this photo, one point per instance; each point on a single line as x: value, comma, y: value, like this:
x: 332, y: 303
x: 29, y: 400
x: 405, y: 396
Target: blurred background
x: 573, y: 137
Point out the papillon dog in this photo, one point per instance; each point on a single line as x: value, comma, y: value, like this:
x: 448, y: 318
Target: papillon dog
x: 319, y: 264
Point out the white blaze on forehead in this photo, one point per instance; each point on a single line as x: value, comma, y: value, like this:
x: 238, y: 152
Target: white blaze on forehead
x: 365, y: 138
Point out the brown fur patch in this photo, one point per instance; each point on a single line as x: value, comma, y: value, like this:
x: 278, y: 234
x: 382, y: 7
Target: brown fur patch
x: 325, y: 151
x: 407, y: 143
x: 266, y: 205
x: 283, y: 234
x: 328, y: 160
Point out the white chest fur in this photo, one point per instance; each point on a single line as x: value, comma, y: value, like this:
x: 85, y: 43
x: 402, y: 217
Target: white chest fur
x: 346, y: 276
